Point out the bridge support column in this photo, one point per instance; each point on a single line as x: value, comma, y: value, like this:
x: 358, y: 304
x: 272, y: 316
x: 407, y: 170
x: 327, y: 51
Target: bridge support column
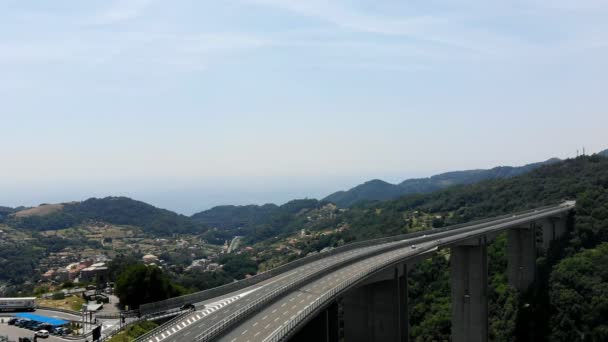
x: 323, y: 328
x: 378, y: 311
x: 521, y: 245
x: 548, y: 231
x: 561, y: 226
x: 469, y: 278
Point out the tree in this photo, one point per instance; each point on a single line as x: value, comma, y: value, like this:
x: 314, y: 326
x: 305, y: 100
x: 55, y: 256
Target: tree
x: 140, y: 284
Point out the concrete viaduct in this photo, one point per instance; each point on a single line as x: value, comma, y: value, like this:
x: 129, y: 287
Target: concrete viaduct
x: 358, y: 292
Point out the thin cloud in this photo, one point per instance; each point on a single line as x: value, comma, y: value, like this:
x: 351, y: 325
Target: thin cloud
x: 122, y: 10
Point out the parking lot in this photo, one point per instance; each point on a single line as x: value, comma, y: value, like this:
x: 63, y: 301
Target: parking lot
x: 14, y: 333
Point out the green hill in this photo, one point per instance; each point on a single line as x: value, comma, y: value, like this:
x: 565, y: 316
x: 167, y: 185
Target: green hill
x: 114, y: 210
x: 5, y: 211
x: 378, y: 190
x: 235, y: 216
x: 262, y: 222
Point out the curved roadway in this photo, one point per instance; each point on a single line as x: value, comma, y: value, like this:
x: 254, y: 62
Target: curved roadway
x: 319, y: 277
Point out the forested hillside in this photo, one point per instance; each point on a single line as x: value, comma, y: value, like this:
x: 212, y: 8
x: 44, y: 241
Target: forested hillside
x: 5, y: 211
x: 258, y: 223
x: 378, y: 190
x: 114, y: 210
x: 570, y: 300
x: 231, y: 217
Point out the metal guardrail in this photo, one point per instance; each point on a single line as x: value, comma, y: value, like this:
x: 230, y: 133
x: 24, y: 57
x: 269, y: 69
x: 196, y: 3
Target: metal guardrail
x: 118, y: 315
x: 118, y: 331
x: 158, y: 330
x: 225, y: 289
x: 232, y: 319
x: 71, y: 312
x: 137, y: 320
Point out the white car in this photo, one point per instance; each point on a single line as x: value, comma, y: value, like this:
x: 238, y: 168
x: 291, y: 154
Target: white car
x: 42, y: 333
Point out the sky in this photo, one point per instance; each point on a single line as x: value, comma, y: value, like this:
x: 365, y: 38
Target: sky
x: 191, y: 104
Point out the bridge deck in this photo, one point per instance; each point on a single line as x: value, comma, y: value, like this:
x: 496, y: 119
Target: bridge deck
x: 273, y: 318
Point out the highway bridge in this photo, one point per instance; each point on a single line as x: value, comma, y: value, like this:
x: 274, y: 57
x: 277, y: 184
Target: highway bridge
x: 358, y: 292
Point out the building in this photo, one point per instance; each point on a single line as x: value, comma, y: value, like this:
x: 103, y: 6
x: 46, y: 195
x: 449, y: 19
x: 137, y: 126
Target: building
x: 198, y: 265
x: 49, y: 275
x: 213, y: 267
x: 94, y: 273
x: 62, y: 275
x: 150, y: 259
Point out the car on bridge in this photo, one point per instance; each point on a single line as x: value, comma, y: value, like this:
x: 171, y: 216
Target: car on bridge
x: 188, y: 306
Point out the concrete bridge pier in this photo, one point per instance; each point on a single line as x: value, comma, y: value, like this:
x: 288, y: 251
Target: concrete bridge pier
x: 377, y: 310
x: 552, y: 228
x: 323, y: 328
x: 548, y: 228
x: 521, y: 249
x: 560, y: 225
x: 469, y: 280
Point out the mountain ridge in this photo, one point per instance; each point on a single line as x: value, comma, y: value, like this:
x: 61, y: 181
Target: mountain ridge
x: 378, y: 190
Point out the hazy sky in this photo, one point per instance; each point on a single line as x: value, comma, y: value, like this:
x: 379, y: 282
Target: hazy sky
x: 189, y: 104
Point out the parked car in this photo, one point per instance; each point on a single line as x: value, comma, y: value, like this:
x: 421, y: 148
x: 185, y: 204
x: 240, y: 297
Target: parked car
x: 20, y: 322
x: 59, y: 331
x: 34, y: 325
x: 27, y: 324
x: 188, y: 307
x: 12, y: 321
x: 42, y: 333
x: 45, y: 326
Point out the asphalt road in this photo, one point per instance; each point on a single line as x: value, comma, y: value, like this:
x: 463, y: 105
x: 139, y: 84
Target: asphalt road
x: 217, y: 309
x: 259, y: 326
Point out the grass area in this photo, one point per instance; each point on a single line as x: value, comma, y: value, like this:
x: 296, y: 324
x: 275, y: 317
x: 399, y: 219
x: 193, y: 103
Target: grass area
x: 68, y: 303
x: 42, y: 210
x: 134, y: 331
